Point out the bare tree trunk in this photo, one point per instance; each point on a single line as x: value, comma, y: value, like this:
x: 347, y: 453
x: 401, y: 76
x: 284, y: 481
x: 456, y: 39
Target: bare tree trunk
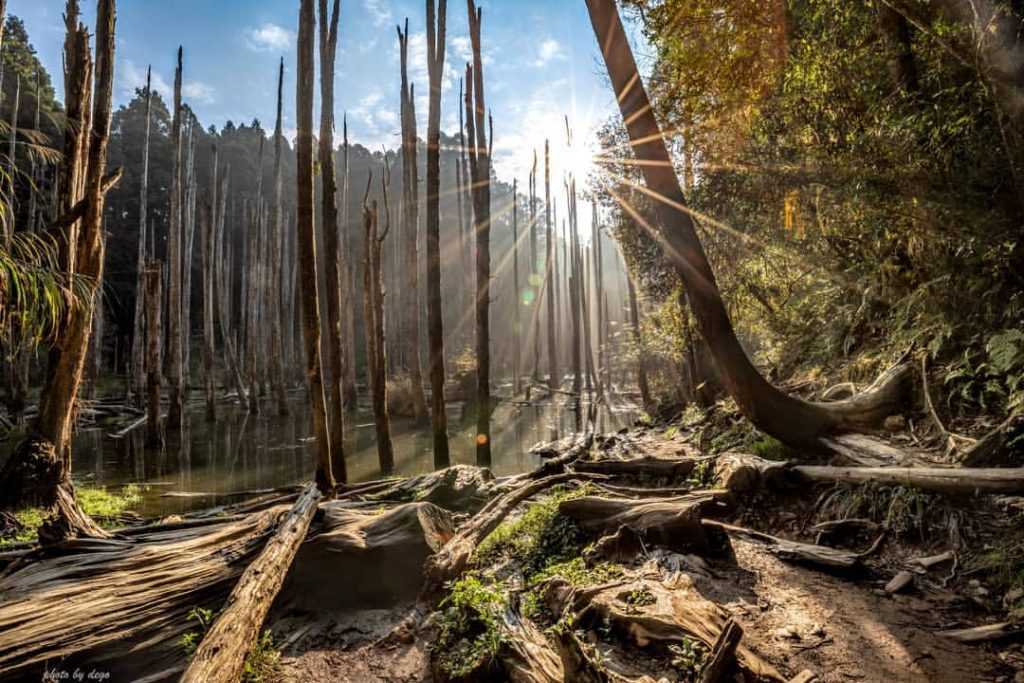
x: 436, y: 43
x: 534, y: 272
x: 276, y: 256
x: 789, y: 419
x: 599, y: 301
x: 480, y: 174
x: 153, y: 280
x: 253, y: 267
x: 40, y: 468
x: 334, y: 366
x: 516, y: 304
x: 348, y: 389
x: 464, y: 206
x: 138, y: 337
x: 641, y: 351
x: 189, y: 221
x: 174, y: 264
x: 373, y: 309
x: 410, y: 231
x: 572, y: 266
x: 223, y: 272
x: 307, y: 245
x: 209, y: 253
x: 554, y: 380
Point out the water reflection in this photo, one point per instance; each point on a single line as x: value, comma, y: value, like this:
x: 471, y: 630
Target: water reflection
x: 243, y: 452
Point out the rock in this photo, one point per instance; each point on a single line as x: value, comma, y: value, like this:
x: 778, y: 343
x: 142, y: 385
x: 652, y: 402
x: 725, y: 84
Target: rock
x: 899, y: 582
x: 1012, y: 597
x: 894, y: 423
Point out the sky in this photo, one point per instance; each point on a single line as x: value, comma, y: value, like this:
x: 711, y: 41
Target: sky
x: 541, y: 63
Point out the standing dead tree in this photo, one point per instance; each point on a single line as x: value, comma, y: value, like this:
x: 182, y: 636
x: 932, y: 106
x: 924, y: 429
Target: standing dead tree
x: 410, y: 231
x: 373, y: 309
x: 153, y: 283
x: 554, y: 380
x: 207, y: 247
x: 138, y: 329
x: 517, y: 353
x: 254, y: 285
x: 534, y: 277
x: 175, y: 239
x: 39, y: 470
x: 436, y: 42
x: 306, y: 239
x: 223, y: 270
x: 789, y: 419
x: 329, y: 195
x: 480, y: 175
x: 348, y: 284
x: 276, y: 256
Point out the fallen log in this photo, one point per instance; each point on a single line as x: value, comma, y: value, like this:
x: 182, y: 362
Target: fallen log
x: 795, y: 551
x: 745, y: 473
x: 221, y: 654
x: 130, y: 428
x: 957, y: 481
x: 642, y: 467
x: 672, y: 522
x: 982, y: 634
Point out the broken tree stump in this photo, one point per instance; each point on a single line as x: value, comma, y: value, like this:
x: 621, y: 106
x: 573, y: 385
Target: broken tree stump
x: 220, y: 657
x: 723, y: 654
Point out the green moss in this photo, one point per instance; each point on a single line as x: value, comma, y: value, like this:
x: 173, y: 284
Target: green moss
x: 103, y: 505
x: 771, y: 448
x: 469, y: 634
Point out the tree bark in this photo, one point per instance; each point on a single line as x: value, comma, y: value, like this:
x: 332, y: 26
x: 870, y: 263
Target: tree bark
x: 207, y: 247
x: 153, y: 275
x: 276, y: 257
x: 174, y: 264
x: 516, y: 296
x: 554, y: 381
x: 349, y: 395
x: 373, y: 308
x: 410, y: 231
x: 138, y: 337
x: 534, y: 271
x: 789, y: 419
x: 221, y: 655
x: 480, y: 175
x: 638, y: 339
x: 436, y: 43
x: 307, y: 246
x: 334, y: 366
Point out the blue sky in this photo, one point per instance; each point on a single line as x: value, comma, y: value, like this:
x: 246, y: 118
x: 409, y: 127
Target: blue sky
x: 540, y: 64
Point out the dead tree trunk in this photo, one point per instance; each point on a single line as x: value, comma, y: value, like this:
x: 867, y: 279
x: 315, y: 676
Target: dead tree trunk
x: 335, y: 367
x: 208, y: 251
x: 516, y: 332
x: 373, y: 309
x: 223, y: 272
x: 174, y: 264
x: 276, y: 255
x: 189, y: 222
x: 410, y: 231
x: 534, y: 277
x: 480, y: 174
x: 153, y: 282
x: 220, y: 657
x: 138, y: 337
x: 575, y: 293
x: 554, y: 381
x: 789, y: 419
x: 638, y: 339
x: 253, y: 288
x: 348, y: 389
x: 307, y: 245
x: 436, y: 43
x: 39, y: 471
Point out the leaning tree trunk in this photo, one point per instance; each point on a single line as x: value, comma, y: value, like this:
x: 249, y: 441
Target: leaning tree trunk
x: 329, y: 191
x: 789, y: 419
x: 410, y: 231
x: 276, y: 255
x: 480, y: 174
x: 436, y: 31
x: 138, y: 337
x: 307, y: 245
x: 174, y: 265
x: 39, y: 471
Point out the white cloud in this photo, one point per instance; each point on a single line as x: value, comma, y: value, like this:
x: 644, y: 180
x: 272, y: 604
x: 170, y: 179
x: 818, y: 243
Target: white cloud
x: 379, y: 13
x: 197, y: 91
x: 549, y: 50
x: 268, y: 37
x: 131, y: 76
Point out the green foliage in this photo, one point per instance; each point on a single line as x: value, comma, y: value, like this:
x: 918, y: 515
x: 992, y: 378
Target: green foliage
x: 101, y: 504
x: 771, y: 448
x: 469, y: 625
x: 190, y: 640
x: 688, y: 657
x: 261, y: 664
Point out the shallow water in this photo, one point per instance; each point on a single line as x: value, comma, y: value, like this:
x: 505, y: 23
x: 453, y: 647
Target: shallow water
x: 242, y: 452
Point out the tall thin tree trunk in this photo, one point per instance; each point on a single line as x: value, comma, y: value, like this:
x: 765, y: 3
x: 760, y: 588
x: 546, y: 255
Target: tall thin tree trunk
x: 40, y: 468
x: 534, y: 271
x: 554, y: 380
x: 480, y: 174
x: 138, y: 336
x: 789, y: 419
x: 373, y: 309
x: 174, y: 264
x: 306, y: 236
x: 516, y: 296
x: 207, y: 246
x: 436, y: 43
x: 276, y: 256
x: 152, y: 283
x: 641, y: 349
x: 332, y: 281
x: 410, y: 231
x: 189, y: 221
x: 253, y: 288
x: 575, y: 290
x: 348, y: 270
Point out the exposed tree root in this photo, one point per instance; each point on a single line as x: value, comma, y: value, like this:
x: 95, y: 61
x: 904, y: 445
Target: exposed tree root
x: 794, y: 551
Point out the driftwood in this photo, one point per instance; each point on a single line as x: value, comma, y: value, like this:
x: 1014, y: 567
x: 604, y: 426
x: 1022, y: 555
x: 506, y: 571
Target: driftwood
x: 357, y: 558
x: 672, y: 522
x: 936, y: 479
x: 982, y: 634
x: 795, y: 551
x: 221, y: 654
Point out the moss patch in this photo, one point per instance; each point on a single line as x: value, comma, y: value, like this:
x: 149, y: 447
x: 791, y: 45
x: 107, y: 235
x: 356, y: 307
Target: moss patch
x: 103, y: 505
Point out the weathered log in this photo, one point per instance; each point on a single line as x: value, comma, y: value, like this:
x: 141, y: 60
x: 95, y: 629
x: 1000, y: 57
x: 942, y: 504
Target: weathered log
x: 744, y: 473
x: 525, y: 654
x: 121, y: 433
x: 862, y: 450
x: 362, y: 558
x: 460, y: 488
x: 221, y: 654
x: 794, y: 551
x: 644, y: 466
x: 982, y: 634
x: 957, y: 481
x: 994, y: 448
x: 723, y: 654
x: 673, y: 522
